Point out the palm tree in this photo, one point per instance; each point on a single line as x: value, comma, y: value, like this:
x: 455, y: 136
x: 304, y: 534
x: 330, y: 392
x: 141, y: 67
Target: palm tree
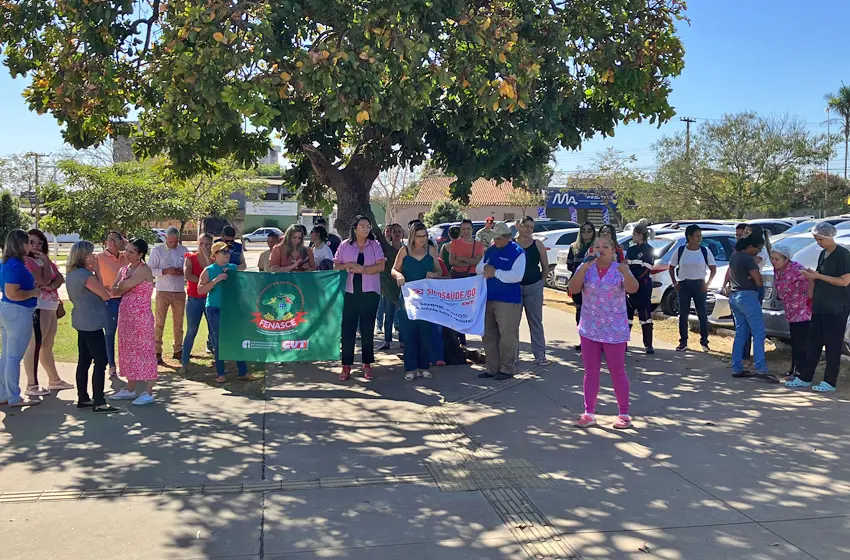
x: 840, y: 103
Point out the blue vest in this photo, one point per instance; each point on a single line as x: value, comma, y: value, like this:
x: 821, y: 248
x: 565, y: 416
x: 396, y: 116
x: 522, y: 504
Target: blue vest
x: 235, y: 252
x: 503, y: 259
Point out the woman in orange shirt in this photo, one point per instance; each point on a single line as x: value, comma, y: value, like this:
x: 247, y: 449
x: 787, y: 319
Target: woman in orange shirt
x: 290, y: 255
x: 465, y: 252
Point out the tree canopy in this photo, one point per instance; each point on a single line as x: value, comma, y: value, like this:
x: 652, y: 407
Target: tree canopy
x: 485, y: 89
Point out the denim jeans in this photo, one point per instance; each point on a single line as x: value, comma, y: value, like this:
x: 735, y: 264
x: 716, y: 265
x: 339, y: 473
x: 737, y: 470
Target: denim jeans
x: 417, y: 342
x: 15, y: 334
x: 748, y: 320
x: 692, y: 289
x: 214, y: 322
x: 390, y: 319
x: 437, y: 344
x: 194, y: 312
x: 112, y: 306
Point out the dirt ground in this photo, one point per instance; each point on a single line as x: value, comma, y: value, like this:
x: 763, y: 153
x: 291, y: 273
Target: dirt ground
x: 666, y: 328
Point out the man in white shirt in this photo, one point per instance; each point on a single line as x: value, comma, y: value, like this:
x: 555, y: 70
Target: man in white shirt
x: 688, y: 268
x: 503, y: 266
x: 166, y: 262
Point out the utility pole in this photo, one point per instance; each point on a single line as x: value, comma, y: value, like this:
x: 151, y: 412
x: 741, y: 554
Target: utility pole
x: 35, y: 186
x: 828, y: 155
x: 688, y: 121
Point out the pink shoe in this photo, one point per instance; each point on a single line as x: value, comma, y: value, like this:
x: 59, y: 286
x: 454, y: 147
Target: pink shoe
x: 367, y: 371
x: 346, y: 373
x: 586, y: 420
x: 623, y: 422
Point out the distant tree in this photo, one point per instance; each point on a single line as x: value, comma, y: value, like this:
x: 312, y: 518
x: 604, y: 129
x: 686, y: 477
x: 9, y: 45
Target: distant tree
x: 444, y: 211
x: 93, y: 200
x: 830, y: 195
x: 840, y: 103
x: 269, y: 170
x: 207, y: 194
x: 11, y: 216
x: 741, y: 165
x: 389, y: 188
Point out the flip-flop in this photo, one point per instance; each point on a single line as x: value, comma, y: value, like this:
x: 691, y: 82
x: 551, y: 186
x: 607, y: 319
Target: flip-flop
x: 105, y: 409
x: 247, y: 377
x: 221, y: 379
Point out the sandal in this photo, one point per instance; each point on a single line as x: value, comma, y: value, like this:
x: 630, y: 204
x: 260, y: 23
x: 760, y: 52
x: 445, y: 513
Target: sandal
x: 798, y: 383
x: 823, y: 387
x: 247, y: 377
x: 346, y: 373
x: 367, y: 372
x: 623, y: 422
x: 769, y: 377
x: 410, y: 376
x: 105, y: 409
x: 221, y: 379
x: 24, y: 402
x: 586, y: 420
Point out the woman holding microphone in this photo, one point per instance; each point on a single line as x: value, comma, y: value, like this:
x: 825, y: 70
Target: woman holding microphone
x: 604, y: 327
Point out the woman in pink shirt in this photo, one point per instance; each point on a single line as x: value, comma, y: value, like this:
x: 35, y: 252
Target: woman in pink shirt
x: 793, y: 289
x: 364, y: 260
x: 604, y: 326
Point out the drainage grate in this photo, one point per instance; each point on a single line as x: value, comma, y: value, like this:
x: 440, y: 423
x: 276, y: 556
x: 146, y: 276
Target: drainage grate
x: 488, y: 474
x: 214, y: 489
x: 529, y: 526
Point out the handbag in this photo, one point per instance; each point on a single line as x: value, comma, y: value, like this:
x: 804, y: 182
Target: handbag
x: 60, y: 311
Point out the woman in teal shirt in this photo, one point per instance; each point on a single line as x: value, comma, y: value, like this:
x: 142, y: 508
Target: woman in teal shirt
x: 16, y: 308
x: 208, y: 285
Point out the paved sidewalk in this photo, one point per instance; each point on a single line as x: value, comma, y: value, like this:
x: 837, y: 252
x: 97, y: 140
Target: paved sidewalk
x: 451, y: 468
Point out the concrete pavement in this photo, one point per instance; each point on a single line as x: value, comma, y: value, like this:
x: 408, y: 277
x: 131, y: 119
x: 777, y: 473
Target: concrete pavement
x: 454, y: 468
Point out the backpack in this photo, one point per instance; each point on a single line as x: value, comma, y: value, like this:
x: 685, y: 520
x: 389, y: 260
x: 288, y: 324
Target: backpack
x: 681, y: 251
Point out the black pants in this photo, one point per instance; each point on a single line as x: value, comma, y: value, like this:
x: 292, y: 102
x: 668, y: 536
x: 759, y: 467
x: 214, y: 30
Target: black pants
x: 359, y: 310
x: 577, y: 299
x: 36, y: 329
x: 688, y: 290
x: 825, y: 330
x: 799, y: 340
x: 91, y: 346
x: 641, y: 301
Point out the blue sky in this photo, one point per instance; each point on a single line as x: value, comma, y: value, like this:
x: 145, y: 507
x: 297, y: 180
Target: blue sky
x: 770, y: 56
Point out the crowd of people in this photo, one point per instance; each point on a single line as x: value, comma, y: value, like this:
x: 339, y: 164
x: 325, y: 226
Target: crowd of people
x: 111, y: 293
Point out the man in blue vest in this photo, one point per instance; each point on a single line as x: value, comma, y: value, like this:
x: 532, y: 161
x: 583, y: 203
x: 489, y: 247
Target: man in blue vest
x: 237, y: 254
x: 503, y: 266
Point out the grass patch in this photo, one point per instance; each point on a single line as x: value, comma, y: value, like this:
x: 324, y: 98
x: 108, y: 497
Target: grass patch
x: 201, y: 369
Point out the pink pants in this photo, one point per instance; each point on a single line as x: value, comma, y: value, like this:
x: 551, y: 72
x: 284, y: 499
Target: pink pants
x: 615, y: 357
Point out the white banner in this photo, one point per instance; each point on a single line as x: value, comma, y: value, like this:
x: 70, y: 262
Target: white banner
x: 458, y: 304
x: 271, y: 208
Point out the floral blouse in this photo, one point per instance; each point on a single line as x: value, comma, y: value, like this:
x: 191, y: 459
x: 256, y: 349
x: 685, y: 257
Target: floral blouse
x: 603, y: 309
x: 793, y: 291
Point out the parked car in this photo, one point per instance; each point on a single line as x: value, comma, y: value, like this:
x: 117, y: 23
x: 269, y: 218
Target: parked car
x: 543, y: 225
x: 773, y: 227
x: 806, y: 227
x: 65, y: 238
x: 659, y: 244
x: 555, y: 242
x: 439, y: 233
x: 260, y: 235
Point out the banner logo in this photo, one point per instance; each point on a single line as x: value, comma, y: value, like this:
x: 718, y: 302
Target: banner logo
x: 295, y: 345
x: 280, y: 308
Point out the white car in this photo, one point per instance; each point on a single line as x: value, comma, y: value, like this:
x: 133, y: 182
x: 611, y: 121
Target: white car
x: 260, y: 235
x: 555, y: 241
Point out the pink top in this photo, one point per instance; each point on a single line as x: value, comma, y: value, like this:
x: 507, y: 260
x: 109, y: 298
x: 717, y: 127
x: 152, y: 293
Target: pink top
x: 793, y: 291
x: 48, y: 299
x: 372, y: 254
x: 603, y: 307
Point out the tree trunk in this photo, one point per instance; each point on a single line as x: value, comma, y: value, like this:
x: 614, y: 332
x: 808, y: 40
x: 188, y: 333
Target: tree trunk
x: 846, y: 152
x: 352, y: 185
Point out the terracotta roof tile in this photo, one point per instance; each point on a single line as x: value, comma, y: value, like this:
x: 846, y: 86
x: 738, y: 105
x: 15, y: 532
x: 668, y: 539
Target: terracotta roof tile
x: 485, y: 192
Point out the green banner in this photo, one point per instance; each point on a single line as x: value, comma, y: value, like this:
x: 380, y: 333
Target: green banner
x: 282, y: 316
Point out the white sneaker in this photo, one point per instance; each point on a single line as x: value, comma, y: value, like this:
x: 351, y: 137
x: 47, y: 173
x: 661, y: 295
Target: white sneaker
x: 36, y: 391
x: 122, y: 395
x: 143, y: 399
x: 425, y: 373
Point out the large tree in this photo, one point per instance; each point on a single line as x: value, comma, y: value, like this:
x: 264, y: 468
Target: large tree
x: 487, y: 89
x: 740, y: 165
